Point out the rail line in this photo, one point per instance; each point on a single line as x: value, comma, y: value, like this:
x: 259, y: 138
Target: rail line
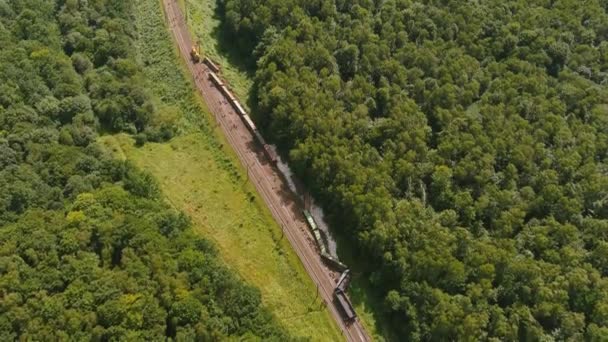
x: 267, y: 182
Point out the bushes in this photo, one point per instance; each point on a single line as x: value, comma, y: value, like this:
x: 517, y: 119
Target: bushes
x: 461, y: 145
x: 88, y: 249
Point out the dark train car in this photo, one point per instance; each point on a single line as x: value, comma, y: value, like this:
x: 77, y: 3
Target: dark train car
x: 270, y: 153
x: 216, y: 80
x: 260, y: 138
x: 333, y: 262
x: 268, y: 150
x: 211, y: 65
x: 346, y: 308
x: 343, y: 281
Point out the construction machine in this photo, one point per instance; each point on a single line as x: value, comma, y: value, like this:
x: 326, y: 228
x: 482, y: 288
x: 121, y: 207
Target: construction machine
x: 195, y: 55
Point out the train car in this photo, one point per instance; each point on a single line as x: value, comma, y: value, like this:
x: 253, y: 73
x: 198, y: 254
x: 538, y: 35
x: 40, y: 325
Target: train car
x: 249, y: 123
x: 330, y: 260
x: 310, y: 220
x: 259, y: 138
x: 346, y: 308
x: 239, y: 108
x: 270, y: 153
x: 315, y: 232
x: 227, y: 94
x: 268, y: 150
x: 216, y: 80
x: 343, y: 281
x: 333, y: 262
x: 319, y: 241
x: 211, y: 65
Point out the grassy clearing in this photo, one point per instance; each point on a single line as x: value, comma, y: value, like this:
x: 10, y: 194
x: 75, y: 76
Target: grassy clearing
x: 223, y: 208
x: 201, y: 176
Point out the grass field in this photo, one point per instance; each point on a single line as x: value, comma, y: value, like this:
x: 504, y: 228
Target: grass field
x: 205, y: 24
x: 223, y: 208
x: 200, y: 175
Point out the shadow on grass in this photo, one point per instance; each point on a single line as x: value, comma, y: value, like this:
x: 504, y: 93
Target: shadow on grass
x: 230, y: 46
x: 237, y: 51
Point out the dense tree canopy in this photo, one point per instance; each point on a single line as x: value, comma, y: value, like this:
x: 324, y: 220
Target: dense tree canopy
x: 462, y: 144
x: 88, y: 250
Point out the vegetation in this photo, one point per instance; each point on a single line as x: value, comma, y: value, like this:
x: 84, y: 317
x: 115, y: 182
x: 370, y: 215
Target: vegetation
x: 223, y: 207
x: 198, y: 173
x: 88, y: 251
x: 462, y: 146
x: 205, y: 24
x: 204, y: 21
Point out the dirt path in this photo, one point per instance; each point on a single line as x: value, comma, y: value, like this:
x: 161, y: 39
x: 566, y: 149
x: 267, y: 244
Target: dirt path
x: 275, y: 192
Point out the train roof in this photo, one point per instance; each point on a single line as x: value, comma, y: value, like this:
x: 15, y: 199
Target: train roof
x: 249, y: 122
x: 240, y: 109
x: 349, y: 312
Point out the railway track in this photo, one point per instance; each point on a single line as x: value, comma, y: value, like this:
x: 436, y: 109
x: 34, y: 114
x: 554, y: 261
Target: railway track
x: 276, y: 194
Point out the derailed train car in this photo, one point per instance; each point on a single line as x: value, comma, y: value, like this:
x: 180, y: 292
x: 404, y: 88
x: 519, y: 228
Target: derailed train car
x: 340, y: 298
x: 345, y: 306
x: 315, y: 232
x: 328, y: 258
x: 333, y: 262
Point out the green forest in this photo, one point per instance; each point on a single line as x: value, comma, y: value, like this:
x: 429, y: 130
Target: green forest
x: 88, y: 248
x: 461, y: 146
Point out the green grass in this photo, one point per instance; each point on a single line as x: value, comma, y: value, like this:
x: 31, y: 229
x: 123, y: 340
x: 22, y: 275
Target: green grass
x: 200, y: 175
x: 224, y: 208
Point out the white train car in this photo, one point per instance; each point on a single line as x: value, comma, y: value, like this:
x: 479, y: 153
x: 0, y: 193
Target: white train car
x: 249, y: 123
x: 239, y: 108
x: 216, y: 80
x: 211, y: 65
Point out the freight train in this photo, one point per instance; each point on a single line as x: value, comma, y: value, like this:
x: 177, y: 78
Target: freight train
x: 268, y: 150
x: 340, y: 297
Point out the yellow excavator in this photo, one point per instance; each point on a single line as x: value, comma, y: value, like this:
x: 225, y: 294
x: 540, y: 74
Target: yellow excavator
x: 195, y: 55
